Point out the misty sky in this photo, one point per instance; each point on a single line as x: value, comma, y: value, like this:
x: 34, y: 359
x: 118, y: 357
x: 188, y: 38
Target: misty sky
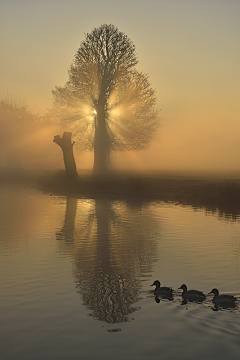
x: 189, y: 48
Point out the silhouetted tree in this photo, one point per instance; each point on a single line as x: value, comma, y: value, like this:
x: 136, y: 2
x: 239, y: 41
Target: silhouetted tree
x: 106, y: 103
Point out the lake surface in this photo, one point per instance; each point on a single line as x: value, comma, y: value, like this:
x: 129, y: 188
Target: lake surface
x: 76, y: 275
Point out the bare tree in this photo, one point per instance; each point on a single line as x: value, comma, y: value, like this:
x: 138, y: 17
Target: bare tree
x: 107, y: 104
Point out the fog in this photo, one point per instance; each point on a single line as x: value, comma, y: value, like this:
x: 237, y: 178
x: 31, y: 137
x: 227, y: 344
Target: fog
x: 190, y: 50
x: 179, y: 145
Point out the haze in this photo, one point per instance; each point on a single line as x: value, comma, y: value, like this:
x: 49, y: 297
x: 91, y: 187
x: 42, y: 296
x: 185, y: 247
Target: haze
x: 190, y: 50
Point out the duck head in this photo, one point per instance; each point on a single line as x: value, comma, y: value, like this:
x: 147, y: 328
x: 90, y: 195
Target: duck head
x: 183, y: 287
x: 215, y: 292
x: 156, y: 283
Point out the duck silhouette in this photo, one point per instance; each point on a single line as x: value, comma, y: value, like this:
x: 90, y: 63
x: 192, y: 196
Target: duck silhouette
x: 162, y: 290
x: 225, y: 299
x: 194, y: 295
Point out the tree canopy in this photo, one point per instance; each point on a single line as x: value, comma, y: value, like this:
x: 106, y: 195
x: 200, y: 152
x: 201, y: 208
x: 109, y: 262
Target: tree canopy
x: 106, y: 102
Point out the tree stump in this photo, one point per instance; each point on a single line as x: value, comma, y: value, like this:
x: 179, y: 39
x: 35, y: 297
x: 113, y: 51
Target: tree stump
x: 66, y: 144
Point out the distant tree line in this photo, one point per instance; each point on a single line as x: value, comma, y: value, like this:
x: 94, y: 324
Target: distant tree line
x: 25, y: 137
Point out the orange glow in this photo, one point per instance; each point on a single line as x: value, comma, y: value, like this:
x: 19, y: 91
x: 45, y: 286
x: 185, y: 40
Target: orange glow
x: 189, y: 51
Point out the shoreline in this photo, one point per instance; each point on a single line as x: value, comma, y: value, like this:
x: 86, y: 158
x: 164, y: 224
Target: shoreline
x: 212, y: 192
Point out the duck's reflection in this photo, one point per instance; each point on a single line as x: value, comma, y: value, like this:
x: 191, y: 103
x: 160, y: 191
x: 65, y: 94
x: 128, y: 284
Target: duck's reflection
x: 186, y: 301
x: 159, y: 298
x: 113, y: 245
x: 221, y: 307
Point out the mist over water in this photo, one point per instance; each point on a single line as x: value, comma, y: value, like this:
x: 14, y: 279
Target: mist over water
x: 78, y: 270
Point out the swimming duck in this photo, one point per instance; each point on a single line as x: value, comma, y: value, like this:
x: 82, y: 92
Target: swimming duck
x: 192, y: 294
x: 222, y: 299
x: 162, y: 290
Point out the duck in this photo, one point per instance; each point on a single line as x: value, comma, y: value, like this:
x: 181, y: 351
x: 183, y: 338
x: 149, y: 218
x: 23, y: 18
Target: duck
x: 222, y: 299
x: 194, y: 295
x: 162, y: 290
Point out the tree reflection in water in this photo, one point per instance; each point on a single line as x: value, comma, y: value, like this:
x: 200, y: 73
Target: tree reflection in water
x: 113, y: 244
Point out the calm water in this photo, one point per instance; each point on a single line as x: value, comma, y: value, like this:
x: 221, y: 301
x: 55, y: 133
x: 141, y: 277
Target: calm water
x: 76, y: 275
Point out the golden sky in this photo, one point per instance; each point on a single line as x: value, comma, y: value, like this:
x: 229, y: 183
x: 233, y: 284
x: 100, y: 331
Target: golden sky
x: 189, y: 48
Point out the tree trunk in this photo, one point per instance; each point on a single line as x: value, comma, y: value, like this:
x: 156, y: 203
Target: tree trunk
x: 66, y: 145
x: 101, y: 143
x: 101, y: 154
